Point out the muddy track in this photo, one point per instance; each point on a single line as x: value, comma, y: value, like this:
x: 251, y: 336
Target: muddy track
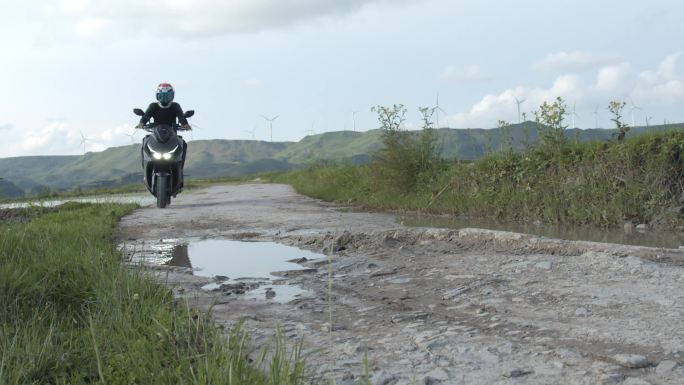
x: 436, y: 306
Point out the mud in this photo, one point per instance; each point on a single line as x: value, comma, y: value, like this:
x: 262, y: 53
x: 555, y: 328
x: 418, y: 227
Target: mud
x: 434, y: 306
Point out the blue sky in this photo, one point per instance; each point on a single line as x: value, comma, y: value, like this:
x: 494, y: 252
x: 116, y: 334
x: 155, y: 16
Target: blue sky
x: 78, y: 67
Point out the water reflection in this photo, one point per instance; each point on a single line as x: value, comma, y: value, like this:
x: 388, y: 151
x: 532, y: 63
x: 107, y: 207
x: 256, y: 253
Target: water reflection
x: 667, y: 239
x: 247, y: 265
x: 180, y: 257
x: 141, y: 199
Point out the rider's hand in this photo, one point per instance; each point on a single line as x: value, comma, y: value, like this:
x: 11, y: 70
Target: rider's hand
x: 140, y: 125
x: 185, y: 126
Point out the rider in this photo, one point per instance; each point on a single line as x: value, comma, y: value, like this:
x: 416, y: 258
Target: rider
x: 166, y: 111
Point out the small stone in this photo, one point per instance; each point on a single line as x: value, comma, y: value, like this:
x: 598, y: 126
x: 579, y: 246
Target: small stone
x: 270, y: 293
x: 581, y: 312
x: 220, y: 278
x: 335, y: 327
x: 632, y: 361
x: 435, y: 376
x: 642, y: 227
x: 665, y: 366
x: 517, y: 373
x: 544, y: 265
x: 384, y: 378
x: 635, y: 381
x: 612, y: 378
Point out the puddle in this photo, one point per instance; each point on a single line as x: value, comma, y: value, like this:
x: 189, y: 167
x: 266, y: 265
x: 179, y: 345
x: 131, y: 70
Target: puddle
x: 141, y: 199
x: 667, y: 239
x: 237, y: 266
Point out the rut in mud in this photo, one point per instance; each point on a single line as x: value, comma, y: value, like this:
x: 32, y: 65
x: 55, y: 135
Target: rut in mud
x: 443, y: 306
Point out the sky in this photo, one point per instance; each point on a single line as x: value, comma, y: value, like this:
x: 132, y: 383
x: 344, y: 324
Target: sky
x: 74, y: 69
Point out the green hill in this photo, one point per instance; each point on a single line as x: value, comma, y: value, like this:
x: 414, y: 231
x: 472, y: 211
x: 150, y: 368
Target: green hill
x: 215, y: 158
x: 10, y: 190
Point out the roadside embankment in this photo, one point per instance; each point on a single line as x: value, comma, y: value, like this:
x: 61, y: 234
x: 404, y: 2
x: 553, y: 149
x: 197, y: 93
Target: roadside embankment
x: 638, y: 181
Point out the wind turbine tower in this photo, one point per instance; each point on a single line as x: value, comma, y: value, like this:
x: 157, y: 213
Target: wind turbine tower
x: 573, y: 113
x: 270, y: 123
x: 353, y: 120
x: 132, y: 136
x: 84, y: 140
x: 437, y: 109
x: 596, y: 116
x: 633, y: 107
x: 518, y: 102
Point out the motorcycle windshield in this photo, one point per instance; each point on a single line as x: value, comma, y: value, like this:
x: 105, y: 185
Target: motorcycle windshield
x: 164, y: 139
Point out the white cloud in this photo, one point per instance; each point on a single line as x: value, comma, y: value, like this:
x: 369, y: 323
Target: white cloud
x: 6, y: 126
x: 574, y: 61
x: 60, y: 138
x: 471, y: 72
x: 613, y: 78
x: 657, y: 88
x: 661, y: 87
x: 70, y: 6
x: 196, y: 18
x: 492, y: 107
x: 93, y: 27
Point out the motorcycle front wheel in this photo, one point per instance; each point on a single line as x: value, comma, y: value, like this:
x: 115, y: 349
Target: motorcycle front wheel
x: 162, y: 193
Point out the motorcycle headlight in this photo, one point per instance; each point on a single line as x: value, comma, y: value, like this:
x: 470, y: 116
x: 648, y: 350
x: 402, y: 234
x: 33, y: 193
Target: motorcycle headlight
x: 158, y: 155
x: 169, y: 155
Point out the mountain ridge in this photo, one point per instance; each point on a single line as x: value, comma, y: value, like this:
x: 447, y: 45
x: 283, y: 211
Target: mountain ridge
x: 224, y: 157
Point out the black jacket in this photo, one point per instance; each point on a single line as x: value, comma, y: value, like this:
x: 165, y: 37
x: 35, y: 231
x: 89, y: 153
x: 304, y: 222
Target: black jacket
x: 164, y: 115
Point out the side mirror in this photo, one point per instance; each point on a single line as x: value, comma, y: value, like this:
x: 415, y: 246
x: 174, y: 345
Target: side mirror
x: 138, y: 112
x: 189, y: 113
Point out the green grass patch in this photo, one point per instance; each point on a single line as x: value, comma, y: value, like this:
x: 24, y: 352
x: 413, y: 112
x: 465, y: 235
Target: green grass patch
x: 72, y: 313
x: 590, y: 183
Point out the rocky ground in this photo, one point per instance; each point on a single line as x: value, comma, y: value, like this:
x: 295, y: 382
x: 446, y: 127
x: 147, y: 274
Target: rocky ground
x: 433, y: 306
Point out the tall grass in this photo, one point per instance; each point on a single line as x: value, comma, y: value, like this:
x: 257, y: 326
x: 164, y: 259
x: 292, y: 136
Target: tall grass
x: 71, y: 313
x: 639, y: 180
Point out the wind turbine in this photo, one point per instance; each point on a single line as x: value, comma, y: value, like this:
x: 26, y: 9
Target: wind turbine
x: 596, y: 116
x: 353, y: 119
x: 437, y: 109
x: 132, y: 136
x: 573, y: 114
x: 270, y: 123
x: 519, y: 102
x: 84, y: 140
x: 648, y: 120
x: 251, y: 132
x: 632, y: 108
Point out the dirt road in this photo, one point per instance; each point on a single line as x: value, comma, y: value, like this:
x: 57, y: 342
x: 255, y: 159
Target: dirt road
x: 434, y: 306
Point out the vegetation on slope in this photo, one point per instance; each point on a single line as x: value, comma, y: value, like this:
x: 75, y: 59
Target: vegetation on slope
x: 560, y: 180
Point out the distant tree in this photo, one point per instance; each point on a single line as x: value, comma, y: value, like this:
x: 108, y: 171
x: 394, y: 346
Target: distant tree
x: 549, y: 119
x: 615, y: 109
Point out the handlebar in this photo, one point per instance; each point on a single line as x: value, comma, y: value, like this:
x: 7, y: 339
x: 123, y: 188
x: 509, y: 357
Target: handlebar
x: 149, y: 127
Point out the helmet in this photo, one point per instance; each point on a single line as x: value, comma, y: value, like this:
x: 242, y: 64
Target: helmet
x: 165, y: 94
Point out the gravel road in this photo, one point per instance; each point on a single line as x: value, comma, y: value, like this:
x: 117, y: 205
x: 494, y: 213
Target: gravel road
x: 432, y: 306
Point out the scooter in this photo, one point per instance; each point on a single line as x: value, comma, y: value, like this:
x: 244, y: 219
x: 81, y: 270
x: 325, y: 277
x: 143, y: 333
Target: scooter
x: 163, y: 152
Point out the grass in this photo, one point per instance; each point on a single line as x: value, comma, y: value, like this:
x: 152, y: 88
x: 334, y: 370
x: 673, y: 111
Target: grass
x: 590, y: 183
x: 71, y: 313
